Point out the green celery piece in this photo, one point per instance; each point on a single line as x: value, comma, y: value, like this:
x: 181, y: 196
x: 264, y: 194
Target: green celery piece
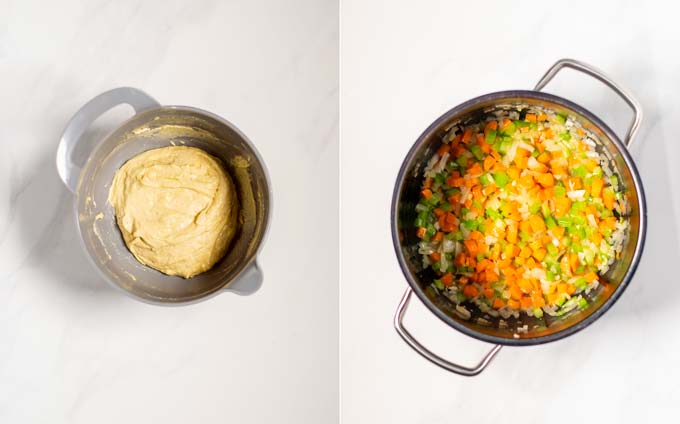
x: 597, y: 172
x: 581, y: 283
x: 446, y: 206
x: 505, y: 146
x: 491, y: 137
x: 538, y: 312
x: 580, y: 171
x: 470, y: 224
x: 439, y: 178
x: 493, y: 214
x: 436, y: 266
x: 501, y: 179
x: 452, y: 191
x: 550, y: 222
x: 535, y: 153
x: 582, y: 303
x: 552, y: 249
x: 461, y: 160
x: 524, y: 236
x: 561, y: 118
x: 550, y: 276
x: 565, y: 136
x: 521, y: 124
x: 458, y: 236
x: 480, y: 256
x: 510, y: 129
x: 439, y: 284
x: 535, y: 207
x: 477, y: 204
x: 614, y: 180
x: 545, y: 209
x: 477, y: 152
x: 560, y: 301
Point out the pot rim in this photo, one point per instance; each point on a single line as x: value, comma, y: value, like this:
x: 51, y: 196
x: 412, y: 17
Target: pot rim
x: 567, y: 104
x: 219, y: 289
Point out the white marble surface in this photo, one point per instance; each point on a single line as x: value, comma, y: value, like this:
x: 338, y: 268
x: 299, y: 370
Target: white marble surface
x: 403, y: 66
x: 74, y: 350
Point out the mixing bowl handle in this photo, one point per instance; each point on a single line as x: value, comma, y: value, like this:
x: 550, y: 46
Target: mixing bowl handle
x: 248, y: 282
x: 83, y: 119
x: 602, y: 77
x: 430, y: 356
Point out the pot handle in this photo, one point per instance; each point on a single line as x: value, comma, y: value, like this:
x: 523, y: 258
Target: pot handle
x: 602, y: 77
x: 430, y: 356
x: 69, y: 172
x: 248, y: 282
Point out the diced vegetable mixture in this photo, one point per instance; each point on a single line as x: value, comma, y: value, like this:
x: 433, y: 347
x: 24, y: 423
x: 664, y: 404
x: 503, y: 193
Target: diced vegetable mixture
x: 520, y: 215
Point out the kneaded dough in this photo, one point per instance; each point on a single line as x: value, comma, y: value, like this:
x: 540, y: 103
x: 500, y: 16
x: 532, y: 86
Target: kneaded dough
x: 177, y: 209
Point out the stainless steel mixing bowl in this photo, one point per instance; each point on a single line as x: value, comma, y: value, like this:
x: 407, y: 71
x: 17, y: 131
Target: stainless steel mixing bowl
x: 547, y: 328
x: 151, y: 127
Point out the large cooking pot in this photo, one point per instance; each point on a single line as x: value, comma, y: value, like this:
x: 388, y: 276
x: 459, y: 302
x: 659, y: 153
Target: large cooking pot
x: 151, y: 127
x: 547, y: 328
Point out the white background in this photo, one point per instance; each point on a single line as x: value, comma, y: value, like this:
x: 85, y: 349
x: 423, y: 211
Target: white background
x: 74, y: 350
x: 403, y: 64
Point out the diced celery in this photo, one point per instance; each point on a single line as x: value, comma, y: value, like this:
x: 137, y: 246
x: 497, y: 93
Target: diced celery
x: 480, y: 256
x: 582, y: 303
x: 493, y: 214
x: 565, y: 136
x: 491, y: 136
x: 477, y: 152
x: 439, y: 284
x: 581, y: 283
x: 505, y: 146
x: 501, y: 179
x: 580, y: 171
x: 460, y: 296
x: 560, y: 301
x: 550, y: 276
x: 461, y: 160
x: 552, y: 249
x: 538, y: 312
x: 561, y: 118
x: 535, y: 153
x: 470, y: 224
x: 550, y: 222
x: 535, y: 207
x: 559, y: 191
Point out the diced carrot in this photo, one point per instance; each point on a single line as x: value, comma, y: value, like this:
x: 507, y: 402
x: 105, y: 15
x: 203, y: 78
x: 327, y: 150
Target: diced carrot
x: 491, y: 276
x: 498, y: 167
x: 596, y: 187
x: 513, y: 303
x: 513, y: 172
x: 525, y: 252
x: 489, y: 189
x: 544, y: 157
x: 475, y: 169
x: 489, y: 161
x: 542, y: 117
x: 455, y: 182
x: 561, y: 288
x: 467, y: 136
x: 590, y: 164
x: 526, y: 302
x: 439, y: 212
x: 608, y: 199
x: 590, y: 277
x: 498, y: 303
x: 539, y: 254
x: 573, y: 261
x: 495, y: 155
x: 511, y: 250
x: 546, y: 180
x: 447, y: 279
x: 443, y: 149
x: 439, y: 236
x: 436, y: 256
x: 471, y: 247
x: 488, y: 293
x: 427, y: 193
x: 571, y: 289
x: 515, y: 292
x: 421, y: 232
x: 427, y: 183
x: 511, y: 234
x: 596, y: 238
x: 530, y: 117
x: 537, y: 223
x: 470, y: 291
x: 524, y: 284
x: 527, y: 181
x: 561, y: 206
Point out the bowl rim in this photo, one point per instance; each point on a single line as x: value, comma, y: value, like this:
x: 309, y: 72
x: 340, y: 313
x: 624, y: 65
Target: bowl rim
x: 499, y: 96
x: 225, y: 285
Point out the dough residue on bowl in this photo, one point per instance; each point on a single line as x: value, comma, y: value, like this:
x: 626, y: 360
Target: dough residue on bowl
x: 177, y: 209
